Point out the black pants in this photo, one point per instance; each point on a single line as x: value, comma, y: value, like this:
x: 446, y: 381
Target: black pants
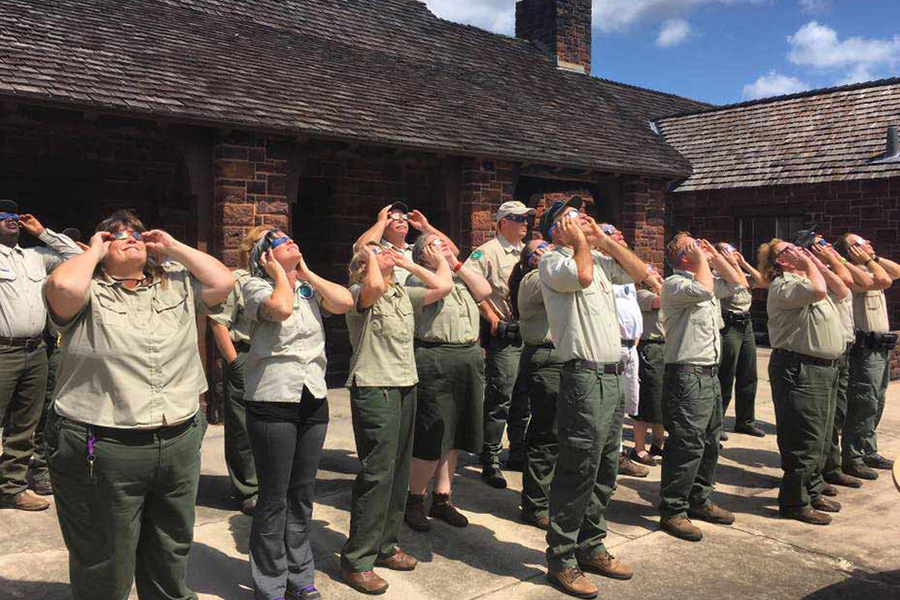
x: 286, y: 451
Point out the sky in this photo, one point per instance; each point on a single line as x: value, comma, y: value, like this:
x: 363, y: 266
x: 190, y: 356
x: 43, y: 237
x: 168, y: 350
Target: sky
x: 725, y: 51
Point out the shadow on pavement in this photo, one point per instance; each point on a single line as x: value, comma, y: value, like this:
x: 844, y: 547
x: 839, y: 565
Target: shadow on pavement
x: 752, y: 458
x: 11, y: 589
x: 861, y: 585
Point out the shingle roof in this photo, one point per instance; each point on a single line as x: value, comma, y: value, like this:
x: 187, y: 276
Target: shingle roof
x: 377, y: 71
x: 824, y: 135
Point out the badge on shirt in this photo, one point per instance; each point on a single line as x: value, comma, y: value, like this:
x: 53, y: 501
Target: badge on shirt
x: 476, y: 255
x: 306, y: 291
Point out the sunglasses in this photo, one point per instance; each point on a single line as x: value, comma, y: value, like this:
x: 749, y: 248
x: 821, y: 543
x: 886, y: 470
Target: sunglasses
x: 681, y: 254
x: 610, y: 230
x: 533, y: 257
x: 279, y: 241
x: 124, y: 235
x: 517, y: 218
x: 5, y: 216
x: 436, y: 242
x: 822, y: 242
x: 861, y: 242
x: 571, y: 213
x: 785, y: 249
x: 399, y: 217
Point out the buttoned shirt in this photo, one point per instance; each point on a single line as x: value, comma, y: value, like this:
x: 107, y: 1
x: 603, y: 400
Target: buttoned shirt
x: 739, y: 302
x: 845, y: 312
x: 401, y: 275
x: 230, y: 313
x: 284, y: 355
x: 583, y: 321
x: 494, y: 260
x: 691, y: 319
x: 631, y: 324
x: 23, y: 272
x: 800, y: 323
x: 652, y: 328
x: 129, y: 358
x: 451, y: 320
x: 870, y: 310
x: 382, y: 338
x: 533, y: 324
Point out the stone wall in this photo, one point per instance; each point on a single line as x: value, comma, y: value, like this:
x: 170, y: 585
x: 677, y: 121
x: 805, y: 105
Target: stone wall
x: 561, y: 27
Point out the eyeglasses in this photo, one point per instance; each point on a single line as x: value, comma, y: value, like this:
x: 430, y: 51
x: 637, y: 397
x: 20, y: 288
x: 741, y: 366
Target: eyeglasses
x: 729, y: 249
x: 861, y: 242
x: 279, y: 241
x: 124, y: 235
x: 571, y: 214
x: 681, y: 254
x: 436, y: 242
x: 517, y: 218
x: 534, y: 257
x: 822, y: 242
x: 5, y: 216
x: 785, y: 249
x: 610, y: 230
x: 399, y: 217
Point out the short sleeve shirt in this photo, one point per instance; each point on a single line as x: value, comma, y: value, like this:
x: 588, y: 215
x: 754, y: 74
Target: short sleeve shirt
x: 401, y: 275
x: 583, y: 322
x: 652, y: 329
x: 799, y: 323
x: 870, y: 310
x: 845, y: 311
x: 494, y: 260
x: 230, y: 313
x: 533, y: 324
x: 451, y: 320
x: 690, y: 318
x: 130, y: 359
x: 382, y: 338
x: 739, y: 302
x: 285, y: 356
x: 631, y: 323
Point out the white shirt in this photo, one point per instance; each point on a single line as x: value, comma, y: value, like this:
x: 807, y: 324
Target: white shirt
x: 631, y: 322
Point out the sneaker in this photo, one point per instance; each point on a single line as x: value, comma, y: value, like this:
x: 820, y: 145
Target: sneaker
x: 539, y: 521
x: 443, y: 509
x: 825, y: 505
x: 682, y: 528
x: 573, y: 582
x: 307, y: 593
x: 711, y: 513
x: 750, y: 430
x: 861, y: 472
x: 877, y: 461
x: 844, y: 480
x: 493, y: 477
x: 806, y: 515
x: 604, y: 563
x: 648, y: 460
x: 415, y: 513
x: 631, y: 468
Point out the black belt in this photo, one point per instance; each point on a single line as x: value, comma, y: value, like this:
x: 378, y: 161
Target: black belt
x: 736, y: 318
x: 805, y: 358
x: 644, y: 342
x: 132, y: 434
x: 606, y: 368
x: 628, y: 343
x: 242, y: 347
x: 426, y: 344
x: 27, y: 343
x: 874, y: 340
x: 708, y: 371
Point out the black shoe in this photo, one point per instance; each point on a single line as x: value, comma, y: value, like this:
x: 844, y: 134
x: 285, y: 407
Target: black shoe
x: 844, y: 480
x: 860, y: 472
x: 655, y: 450
x: 539, y: 521
x: 493, y: 477
x: 644, y: 460
x: 248, y: 507
x: 750, y: 430
x: 877, y: 461
x: 515, y: 463
x: 42, y: 487
x: 723, y: 436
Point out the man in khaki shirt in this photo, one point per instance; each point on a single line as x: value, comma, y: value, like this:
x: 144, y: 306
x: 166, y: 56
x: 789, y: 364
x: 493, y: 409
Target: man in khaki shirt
x: 692, y: 405
x: 506, y: 395
x: 23, y: 355
x: 869, y: 359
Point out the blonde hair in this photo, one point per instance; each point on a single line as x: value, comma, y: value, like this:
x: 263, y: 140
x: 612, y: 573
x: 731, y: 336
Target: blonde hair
x: 250, y: 239
x: 768, y: 260
x: 357, y: 266
x: 673, y: 248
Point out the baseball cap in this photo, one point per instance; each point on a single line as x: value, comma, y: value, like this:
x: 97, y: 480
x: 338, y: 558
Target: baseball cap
x: 555, y: 209
x: 514, y: 207
x: 398, y: 206
x: 9, y: 206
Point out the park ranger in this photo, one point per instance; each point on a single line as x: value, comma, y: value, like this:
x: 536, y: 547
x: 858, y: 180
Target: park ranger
x: 869, y: 359
x: 505, y: 398
x: 692, y: 405
x: 651, y: 368
x: 576, y: 283
x: 807, y: 337
x: 23, y: 354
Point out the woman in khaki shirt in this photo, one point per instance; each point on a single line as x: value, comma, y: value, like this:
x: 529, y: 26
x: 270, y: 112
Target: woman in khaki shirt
x: 450, y: 394
x: 124, y: 439
x: 382, y: 386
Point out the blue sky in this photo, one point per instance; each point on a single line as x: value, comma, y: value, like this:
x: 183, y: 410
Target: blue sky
x: 724, y: 51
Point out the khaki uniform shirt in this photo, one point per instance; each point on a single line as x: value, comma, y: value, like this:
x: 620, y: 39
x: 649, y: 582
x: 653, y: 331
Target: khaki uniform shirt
x: 230, y: 313
x: 451, y: 320
x: 284, y: 355
x: 870, y: 310
x: 652, y: 326
x: 382, y: 338
x: 23, y: 272
x: 845, y: 311
x: 401, y: 275
x: 583, y: 322
x: 533, y: 324
x: 800, y: 324
x: 494, y: 260
x: 739, y: 302
x: 130, y: 359
x: 691, y: 318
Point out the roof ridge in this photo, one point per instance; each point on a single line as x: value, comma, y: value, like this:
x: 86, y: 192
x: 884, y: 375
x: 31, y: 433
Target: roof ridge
x: 807, y: 94
x: 652, y: 91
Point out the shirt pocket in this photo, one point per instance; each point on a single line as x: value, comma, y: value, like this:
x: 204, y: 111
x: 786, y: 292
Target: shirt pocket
x: 873, y: 300
x: 110, y: 310
x: 7, y: 275
x: 393, y: 321
x: 170, y: 309
x: 592, y: 298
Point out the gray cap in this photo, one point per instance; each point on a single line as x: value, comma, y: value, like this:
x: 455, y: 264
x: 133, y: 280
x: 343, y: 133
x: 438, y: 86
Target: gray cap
x: 513, y: 207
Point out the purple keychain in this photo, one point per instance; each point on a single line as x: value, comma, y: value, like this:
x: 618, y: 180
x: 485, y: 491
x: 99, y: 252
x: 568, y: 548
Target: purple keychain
x: 90, y: 448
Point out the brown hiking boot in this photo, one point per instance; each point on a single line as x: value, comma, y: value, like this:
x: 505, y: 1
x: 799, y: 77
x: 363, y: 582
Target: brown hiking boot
x: 829, y: 490
x: 604, y: 563
x: 415, y: 513
x: 806, y: 514
x: 826, y: 505
x: 711, y: 513
x: 682, y: 528
x: 539, y: 521
x: 573, y: 582
x: 844, y: 480
x: 24, y: 501
x: 442, y: 508
x: 631, y: 468
x: 365, y: 582
x: 398, y: 561
x: 861, y: 472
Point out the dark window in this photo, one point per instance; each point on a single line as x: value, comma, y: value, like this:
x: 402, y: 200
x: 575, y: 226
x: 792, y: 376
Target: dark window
x: 752, y: 231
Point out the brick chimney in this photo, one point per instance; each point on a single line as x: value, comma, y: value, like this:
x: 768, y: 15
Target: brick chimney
x: 562, y: 28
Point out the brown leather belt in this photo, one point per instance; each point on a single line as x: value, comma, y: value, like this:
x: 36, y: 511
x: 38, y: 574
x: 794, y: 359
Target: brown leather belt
x: 27, y: 343
x: 605, y: 368
x: 707, y: 371
x: 810, y: 360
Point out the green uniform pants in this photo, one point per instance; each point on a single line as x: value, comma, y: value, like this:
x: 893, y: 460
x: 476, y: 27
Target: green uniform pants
x: 131, y: 517
x: 692, y: 414
x: 869, y: 378
x: 238, y: 455
x: 589, y: 414
x: 805, y: 396
x: 541, y: 369
x: 833, y: 445
x: 383, y: 420
x: 39, y: 469
x: 23, y: 386
x: 505, y: 401
x: 737, y: 369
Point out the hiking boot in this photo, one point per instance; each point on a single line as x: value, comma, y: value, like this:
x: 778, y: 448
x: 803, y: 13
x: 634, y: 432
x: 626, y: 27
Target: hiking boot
x: 493, y: 477
x: 443, y: 509
x: 644, y: 460
x: 861, y: 472
x: 750, y: 430
x: 539, y: 521
x: 682, y: 528
x: 806, y: 514
x: 604, y: 563
x: 398, y: 561
x: 573, y: 582
x: 24, y: 501
x: 631, y: 468
x: 415, y: 513
x: 43, y: 487
x: 829, y: 490
x: 364, y: 582
x: 877, y: 461
x: 825, y: 505
x: 711, y: 513
x: 844, y: 480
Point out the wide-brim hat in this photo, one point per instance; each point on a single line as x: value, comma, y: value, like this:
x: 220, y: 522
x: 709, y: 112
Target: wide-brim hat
x: 554, y: 211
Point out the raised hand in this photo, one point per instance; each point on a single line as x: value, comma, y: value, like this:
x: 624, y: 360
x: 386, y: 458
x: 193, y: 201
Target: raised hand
x: 418, y: 220
x: 271, y: 266
x: 570, y: 231
x: 30, y: 224
x: 158, y: 242
x: 100, y: 242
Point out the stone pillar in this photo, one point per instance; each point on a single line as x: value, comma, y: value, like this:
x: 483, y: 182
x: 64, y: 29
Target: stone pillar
x: 485, y: 185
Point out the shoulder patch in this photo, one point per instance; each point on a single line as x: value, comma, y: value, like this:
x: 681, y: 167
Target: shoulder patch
x: 476, y: 255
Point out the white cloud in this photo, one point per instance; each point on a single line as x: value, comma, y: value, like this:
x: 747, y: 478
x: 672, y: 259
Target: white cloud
x: 498, y: 16
x: 774, y: 84
x: 815, y: 6
x: 673, y: 32
x: 818, y: 46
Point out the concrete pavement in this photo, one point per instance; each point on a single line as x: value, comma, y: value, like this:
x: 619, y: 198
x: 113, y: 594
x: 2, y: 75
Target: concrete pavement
x: 761, y: 557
